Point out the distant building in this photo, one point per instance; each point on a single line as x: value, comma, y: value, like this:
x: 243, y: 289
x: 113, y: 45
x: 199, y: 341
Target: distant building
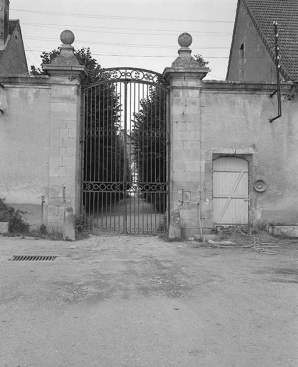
x: 12, y: 53
x: 252, y: 51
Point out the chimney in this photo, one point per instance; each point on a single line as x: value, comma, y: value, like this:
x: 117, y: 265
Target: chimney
x: 4, y: 22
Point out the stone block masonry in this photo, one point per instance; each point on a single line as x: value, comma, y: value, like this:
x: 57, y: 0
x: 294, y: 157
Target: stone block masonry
x: 64, y: 138
x: 65, y: 115
x: 185, y: 119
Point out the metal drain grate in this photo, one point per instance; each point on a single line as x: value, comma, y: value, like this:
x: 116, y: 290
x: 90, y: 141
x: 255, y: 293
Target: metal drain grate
x: 32, y: 258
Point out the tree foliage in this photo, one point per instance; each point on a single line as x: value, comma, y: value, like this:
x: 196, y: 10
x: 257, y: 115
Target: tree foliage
x: 202, y: 62
x: 16, y: 223
x: 84, y: 57
x: 104, y: 148
x: 150, y: 147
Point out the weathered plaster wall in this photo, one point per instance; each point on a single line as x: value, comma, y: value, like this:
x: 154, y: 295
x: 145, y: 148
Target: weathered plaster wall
x: 219, y: 119
x: 235, y: 121
x: 40, y: 147
x: 24, y: 143
x: 258, y: 66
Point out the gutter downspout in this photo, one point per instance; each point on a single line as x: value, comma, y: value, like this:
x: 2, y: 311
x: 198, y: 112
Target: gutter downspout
x: 277, y: 75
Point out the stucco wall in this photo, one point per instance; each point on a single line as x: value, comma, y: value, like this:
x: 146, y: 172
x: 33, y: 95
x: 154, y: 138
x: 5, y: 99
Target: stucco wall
x: 258, y: 66
x: 214, y: 119
x: 40, y: 164
x: 236, y: 122
x: 24, y: 143
x: 40, y: 147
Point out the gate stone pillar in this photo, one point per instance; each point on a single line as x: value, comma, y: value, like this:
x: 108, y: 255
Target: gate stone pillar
x: 66, y: 75
x: 186, y: 176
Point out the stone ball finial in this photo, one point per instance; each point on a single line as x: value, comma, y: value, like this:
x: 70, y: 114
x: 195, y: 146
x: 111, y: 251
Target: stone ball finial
x: 67, y: 37
x: 185, y: 40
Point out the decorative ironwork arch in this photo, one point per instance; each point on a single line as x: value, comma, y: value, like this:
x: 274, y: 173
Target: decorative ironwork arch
x: 134, y: 75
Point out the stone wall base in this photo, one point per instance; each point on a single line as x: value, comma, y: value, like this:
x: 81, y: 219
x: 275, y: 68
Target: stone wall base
x: 287, y: 231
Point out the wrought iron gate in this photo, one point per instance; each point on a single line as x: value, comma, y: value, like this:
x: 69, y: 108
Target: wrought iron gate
x: 125, y: 172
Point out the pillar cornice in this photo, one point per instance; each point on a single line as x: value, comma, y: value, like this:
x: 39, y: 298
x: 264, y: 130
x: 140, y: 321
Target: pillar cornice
x: 183, y: 76
x: 71, y: 72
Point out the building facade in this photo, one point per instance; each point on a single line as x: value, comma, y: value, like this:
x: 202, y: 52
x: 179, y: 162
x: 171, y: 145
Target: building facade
x: 12, y: 53
x: 252, y: 53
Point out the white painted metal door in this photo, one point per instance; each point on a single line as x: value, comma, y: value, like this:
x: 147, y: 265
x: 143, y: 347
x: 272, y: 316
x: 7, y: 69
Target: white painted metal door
x: 230, y: 191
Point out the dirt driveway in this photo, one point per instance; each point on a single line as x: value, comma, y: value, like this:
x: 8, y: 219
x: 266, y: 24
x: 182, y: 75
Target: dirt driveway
x: 139, y: 301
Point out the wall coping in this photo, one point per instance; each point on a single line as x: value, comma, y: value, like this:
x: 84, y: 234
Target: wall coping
x: 239, y: 86
x: 215, y: 85
x: 32, y: 80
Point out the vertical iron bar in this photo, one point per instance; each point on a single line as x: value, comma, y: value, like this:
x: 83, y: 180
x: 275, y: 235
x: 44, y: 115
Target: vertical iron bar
x: 98, y: 158
x: 140, y: 168
x: 117, y: 194
x: 135, y: 193
x: 129, y: 161
x: 96, y: 153
x: 168, y: 156
x: 163, y: 158
x: 99, y: 166
x: 162, y: 148
x: 125, y: 158
x: 112, y: 155
x: 104, y: 158
x: 86, y: 155
x: 119, y: 152
x: 82, y: 122
x: 144, y: 163
x: 149, y: 152
x: 93, y: 152
x: 156, y: 196
x: 109, y: 209
x: 89, y: 158
x: 90, y: 151
x: 83, y: 159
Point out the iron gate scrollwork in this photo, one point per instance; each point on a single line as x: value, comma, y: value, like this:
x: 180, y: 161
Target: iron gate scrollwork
x: 125, y: 161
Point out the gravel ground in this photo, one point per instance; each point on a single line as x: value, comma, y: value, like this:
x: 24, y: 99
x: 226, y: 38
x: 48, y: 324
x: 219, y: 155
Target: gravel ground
x: 140, y: 301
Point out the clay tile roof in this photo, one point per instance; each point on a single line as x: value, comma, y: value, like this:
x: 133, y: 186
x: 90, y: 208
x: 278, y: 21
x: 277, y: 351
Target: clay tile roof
x: 285, y: 12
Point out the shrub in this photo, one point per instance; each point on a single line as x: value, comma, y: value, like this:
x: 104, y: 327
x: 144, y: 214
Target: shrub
x: 16, y: 223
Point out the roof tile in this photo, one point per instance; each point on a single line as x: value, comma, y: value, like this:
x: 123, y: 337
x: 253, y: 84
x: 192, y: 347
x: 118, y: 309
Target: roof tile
x: 285, y: 13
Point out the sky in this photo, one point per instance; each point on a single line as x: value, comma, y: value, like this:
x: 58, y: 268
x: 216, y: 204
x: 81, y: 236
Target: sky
x: 136, y: 33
